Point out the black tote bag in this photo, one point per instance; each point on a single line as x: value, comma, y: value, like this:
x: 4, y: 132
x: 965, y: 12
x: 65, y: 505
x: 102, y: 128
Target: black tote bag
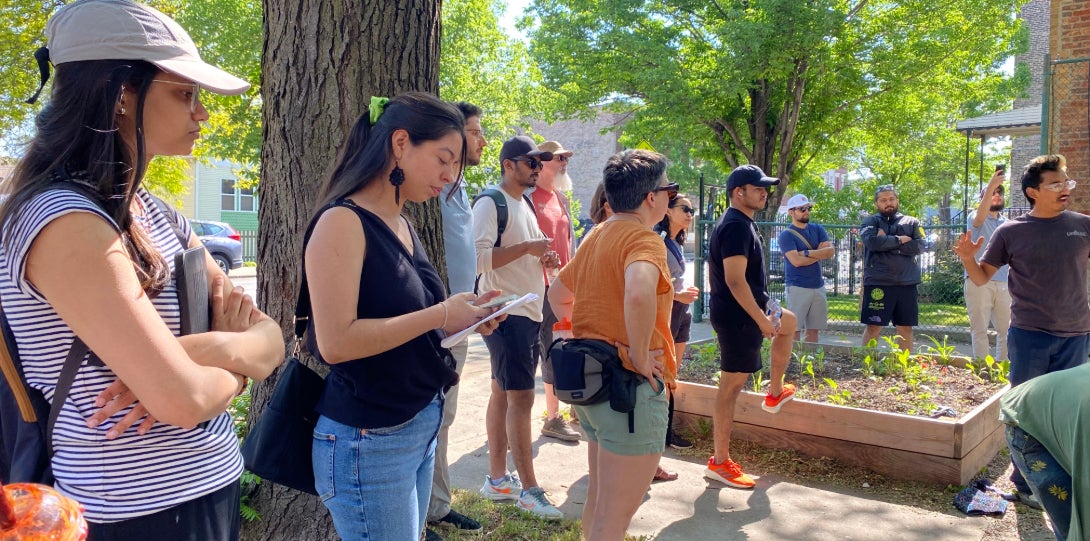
x: 278, y: 447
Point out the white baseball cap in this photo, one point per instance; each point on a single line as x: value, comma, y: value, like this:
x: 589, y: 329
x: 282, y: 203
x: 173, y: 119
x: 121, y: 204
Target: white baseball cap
x: 799, y: 200
x: 125, y: 30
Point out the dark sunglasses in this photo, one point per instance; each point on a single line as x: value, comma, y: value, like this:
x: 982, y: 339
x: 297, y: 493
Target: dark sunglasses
x: 671, y: 189
x: 534, y: 163
x: 686, y: 209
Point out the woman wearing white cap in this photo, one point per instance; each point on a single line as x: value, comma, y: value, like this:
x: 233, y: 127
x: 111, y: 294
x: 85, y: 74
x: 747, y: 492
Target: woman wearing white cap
x: 142, y: 439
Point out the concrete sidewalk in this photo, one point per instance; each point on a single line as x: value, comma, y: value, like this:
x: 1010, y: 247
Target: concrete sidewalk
x: 693, y: 508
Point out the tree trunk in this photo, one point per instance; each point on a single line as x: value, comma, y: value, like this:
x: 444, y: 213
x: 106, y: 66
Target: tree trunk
x: 322, y: 62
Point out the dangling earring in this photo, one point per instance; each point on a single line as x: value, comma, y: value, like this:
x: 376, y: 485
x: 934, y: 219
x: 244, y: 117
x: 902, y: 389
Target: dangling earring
x: 121, y: 102
x: 122, y: 111
x: 397, y: 178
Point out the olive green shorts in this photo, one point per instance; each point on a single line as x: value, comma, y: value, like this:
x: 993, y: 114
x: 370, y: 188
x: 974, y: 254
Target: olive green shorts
x: 610, y: 428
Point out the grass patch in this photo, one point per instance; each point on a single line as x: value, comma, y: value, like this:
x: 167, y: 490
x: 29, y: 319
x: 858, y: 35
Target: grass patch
x: 846, y: 308
x: 505, y: 521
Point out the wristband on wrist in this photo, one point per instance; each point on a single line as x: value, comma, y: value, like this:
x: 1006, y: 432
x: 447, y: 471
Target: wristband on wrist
x: 806, y: 253
x: 446, y: 312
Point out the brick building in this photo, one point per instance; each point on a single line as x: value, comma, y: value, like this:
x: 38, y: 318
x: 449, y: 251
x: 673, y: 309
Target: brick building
x: 1068, y: 117
x: 1035, y: 16
x: 592, y: 143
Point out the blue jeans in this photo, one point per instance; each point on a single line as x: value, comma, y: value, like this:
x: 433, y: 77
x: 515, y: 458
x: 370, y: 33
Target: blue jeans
x: 376, y: 482
x: 1036, y: 353
x: 1049, y: 481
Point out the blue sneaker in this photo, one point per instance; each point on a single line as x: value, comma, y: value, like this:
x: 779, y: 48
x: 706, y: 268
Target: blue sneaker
x: 509, y: 488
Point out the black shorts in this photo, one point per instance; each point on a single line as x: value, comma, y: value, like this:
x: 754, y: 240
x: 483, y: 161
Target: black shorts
x: 740, y: 348
x: 882, y: 304
x: 681, y: 319
x: 546, y: 335
x: 514, y: 348
x: 212, y: 516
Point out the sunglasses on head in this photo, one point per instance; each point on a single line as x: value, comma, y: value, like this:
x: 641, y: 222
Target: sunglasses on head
x: 534, y: 163
x: 671, y: 189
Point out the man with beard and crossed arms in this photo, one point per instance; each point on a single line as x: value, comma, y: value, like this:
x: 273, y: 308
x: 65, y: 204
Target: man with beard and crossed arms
x: 891, y: 242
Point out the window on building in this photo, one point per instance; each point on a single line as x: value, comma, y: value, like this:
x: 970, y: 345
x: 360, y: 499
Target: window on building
x: 233, y: 198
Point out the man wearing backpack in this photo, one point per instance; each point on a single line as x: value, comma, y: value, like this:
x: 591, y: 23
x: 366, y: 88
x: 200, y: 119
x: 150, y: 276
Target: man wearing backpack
x: 513, y: 261
x: 804, y: 245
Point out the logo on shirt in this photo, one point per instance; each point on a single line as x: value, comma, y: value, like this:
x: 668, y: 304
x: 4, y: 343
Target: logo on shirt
x: 1076, y: 233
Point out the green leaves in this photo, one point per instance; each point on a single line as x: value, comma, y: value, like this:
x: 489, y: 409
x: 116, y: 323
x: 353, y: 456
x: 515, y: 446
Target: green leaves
x: 790, y: 86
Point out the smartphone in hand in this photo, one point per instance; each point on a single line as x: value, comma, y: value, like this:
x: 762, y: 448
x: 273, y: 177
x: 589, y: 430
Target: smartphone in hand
x: 500, y: 301
x: 1000, y: 167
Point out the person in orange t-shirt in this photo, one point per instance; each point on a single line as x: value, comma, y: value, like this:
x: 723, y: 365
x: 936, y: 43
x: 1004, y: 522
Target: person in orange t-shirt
x: 618, y: 288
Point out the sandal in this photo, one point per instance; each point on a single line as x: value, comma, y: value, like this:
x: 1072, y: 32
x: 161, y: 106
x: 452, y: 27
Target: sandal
x: 663, y: 475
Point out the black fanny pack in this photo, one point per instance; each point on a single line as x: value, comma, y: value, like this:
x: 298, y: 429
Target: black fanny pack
x: 587, y: 372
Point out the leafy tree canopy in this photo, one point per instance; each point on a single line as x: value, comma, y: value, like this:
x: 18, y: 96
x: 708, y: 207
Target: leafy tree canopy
x: 784, y: 84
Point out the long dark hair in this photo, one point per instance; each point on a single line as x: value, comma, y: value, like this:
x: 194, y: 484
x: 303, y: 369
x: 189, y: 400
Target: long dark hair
x: 664, y: 225
x: 368, y: 150
x: 77, y: 138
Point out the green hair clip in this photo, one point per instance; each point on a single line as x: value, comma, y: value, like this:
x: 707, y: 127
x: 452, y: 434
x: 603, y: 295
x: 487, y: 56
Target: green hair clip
x: 378, y: 103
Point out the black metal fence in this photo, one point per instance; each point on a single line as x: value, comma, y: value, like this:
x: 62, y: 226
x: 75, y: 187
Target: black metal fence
x: 942, y: 303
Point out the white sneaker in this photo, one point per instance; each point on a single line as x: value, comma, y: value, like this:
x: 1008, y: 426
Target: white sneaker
x: 533, y: 500
x: 508, y: 489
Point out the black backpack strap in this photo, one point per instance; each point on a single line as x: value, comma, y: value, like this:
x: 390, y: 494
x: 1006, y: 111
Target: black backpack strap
x: 501, y: 210
x: 174, y: 218
x: 71, y: 366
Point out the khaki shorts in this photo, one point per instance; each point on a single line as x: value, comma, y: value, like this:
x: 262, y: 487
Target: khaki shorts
x: 810, y: 306
x: 610, y: 428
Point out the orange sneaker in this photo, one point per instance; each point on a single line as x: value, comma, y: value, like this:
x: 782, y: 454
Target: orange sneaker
x: 772, y: 404
x: 729, y: 473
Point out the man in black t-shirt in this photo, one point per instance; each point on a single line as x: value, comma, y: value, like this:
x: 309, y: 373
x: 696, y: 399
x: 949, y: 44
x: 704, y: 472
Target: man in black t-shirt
x: 743, y: 315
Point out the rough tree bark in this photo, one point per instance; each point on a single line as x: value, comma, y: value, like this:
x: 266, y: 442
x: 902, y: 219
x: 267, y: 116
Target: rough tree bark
x: 322, y: 62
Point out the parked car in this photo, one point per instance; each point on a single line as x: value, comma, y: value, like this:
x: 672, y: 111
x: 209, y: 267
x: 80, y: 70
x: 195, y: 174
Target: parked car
x: 222, y: 241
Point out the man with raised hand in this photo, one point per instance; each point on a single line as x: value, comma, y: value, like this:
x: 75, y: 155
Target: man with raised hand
x: 1047, y: 251
x: 991, y: 301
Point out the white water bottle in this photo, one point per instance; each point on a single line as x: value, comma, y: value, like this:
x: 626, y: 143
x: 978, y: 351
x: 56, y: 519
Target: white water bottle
x: 776, y: 311
x: 562, y: 329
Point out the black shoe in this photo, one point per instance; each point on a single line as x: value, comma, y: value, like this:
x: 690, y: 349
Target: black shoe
x: 430, y: 535
x: 678, y: 442
x: 460, y: 521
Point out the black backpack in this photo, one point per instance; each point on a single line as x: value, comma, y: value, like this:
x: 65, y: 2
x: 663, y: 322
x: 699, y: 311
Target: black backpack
x: 26, y: 417
x: 501, y: 208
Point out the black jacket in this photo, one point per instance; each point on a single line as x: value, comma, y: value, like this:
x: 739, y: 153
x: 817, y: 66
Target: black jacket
x: 886, y: 261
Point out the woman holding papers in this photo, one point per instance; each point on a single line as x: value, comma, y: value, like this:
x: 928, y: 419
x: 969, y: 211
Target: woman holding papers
x: 379, y: 314
x: 142, y: 440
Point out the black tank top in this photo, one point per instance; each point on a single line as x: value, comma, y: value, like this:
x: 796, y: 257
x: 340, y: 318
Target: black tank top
x: 391, y: 387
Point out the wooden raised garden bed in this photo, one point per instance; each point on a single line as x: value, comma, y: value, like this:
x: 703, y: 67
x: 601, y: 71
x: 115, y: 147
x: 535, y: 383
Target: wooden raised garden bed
x: 945, y: 451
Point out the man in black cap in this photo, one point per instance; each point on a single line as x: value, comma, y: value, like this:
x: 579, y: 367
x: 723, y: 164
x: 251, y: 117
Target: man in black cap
x: 513, y: 261
x: 743, y: 314
x: 891, y: 242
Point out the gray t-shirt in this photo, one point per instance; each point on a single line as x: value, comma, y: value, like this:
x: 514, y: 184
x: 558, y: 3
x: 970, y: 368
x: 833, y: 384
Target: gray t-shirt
x: 985, y: 230
x: 1047, y: 281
